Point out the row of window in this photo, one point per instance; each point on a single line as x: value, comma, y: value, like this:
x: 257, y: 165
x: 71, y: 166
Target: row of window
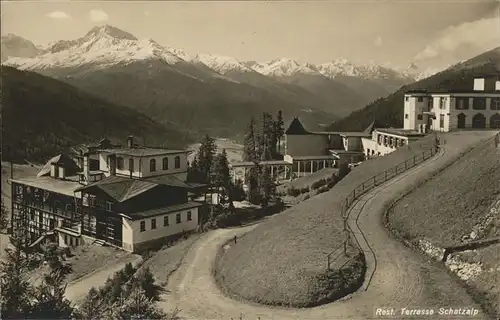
x: 120, y: 164
x: 478, y: 104
x: 419, y: 116
x: 166, y: 223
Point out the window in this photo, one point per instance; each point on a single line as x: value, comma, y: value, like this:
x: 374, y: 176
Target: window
x: 178, y: 218
x: 152, y: 165
x: 165, y: 221
x: 495, y: 104
x: 420, y: 99
x: 462, y: 104
x: 143, y: 226
x: 479, y: 104
x: 406, y: 116
x: 119, y: 163
x: 189, y: 216
x: 153, y: 223
x: 442, y: 103
x: 441, y: 121
x: 419, y: 117
x: 108, y: 206
x: 177, y: 163
x: 407, y: 98
x: 131, y: 164
x: 165, y: 163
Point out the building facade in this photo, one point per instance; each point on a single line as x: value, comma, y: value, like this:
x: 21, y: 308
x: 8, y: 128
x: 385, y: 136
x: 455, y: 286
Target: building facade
x: 442, y: 111
x: 133, y: 197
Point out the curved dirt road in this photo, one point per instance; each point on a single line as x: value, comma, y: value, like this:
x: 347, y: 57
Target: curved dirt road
x: 401, y: 278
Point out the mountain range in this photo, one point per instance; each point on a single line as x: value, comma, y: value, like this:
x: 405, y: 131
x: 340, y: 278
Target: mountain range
x: 388, y: 111
x: 203, y: 93
x: 43, y: 116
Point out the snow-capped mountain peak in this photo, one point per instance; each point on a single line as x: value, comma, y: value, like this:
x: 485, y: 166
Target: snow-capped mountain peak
x: 109, y: 31
x: 101, y: 46
x: 283, y: 67
x: 222, y: 64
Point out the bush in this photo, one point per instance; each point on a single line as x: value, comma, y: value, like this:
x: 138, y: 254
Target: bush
x: 318, y: 184
x: 294, y: 192
x: 304, y: 190
x: 307, y: 197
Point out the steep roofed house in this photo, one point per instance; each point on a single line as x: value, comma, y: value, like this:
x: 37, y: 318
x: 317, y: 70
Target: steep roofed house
x: 133, y: 197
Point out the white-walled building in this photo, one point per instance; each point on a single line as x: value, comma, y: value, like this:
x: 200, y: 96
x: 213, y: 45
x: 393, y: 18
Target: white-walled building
x: 133, y: 198
x: 443, y: 111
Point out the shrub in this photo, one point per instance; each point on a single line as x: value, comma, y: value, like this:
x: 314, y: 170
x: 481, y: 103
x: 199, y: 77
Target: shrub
x: 294, y: 192
x: 318, y: 184
x: 304, y: 190
x: 307, y: 197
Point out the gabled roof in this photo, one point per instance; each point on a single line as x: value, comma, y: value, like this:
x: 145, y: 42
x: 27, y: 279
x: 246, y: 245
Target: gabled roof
x: 121, y: 188
x: 296, y: 127
x: 61, y: 160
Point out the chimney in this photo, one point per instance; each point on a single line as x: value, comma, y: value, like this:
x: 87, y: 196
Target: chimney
x: 112, y: 165
x: 62, y: 172
x: 479, y: 84
x: 86, y: 170
x: 130, y: 142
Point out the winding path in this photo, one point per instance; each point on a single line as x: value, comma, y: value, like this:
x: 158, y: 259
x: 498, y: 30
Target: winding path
x: 396, y: 277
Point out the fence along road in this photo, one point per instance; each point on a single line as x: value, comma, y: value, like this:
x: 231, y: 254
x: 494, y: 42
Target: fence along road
x: 399, y: 281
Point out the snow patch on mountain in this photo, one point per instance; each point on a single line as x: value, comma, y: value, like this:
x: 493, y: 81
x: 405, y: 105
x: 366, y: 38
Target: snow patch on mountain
x: 283, y: 67
x: 222, y: 64
x: 343, y: 67
x: 102, y: 46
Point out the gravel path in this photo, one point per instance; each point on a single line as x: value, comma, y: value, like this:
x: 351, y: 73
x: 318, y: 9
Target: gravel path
x: 396, y: 277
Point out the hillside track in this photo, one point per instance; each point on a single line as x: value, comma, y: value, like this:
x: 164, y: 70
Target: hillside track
x: 397, y: 277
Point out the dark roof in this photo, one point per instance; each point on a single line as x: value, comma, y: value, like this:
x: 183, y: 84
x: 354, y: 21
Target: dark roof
x: 82, y: 149
x: 307, y: 158
x: 141, y: 151
x: 66, y: 187
x: 172, y: 180
x: 61, y: 160
x: 402, y: 132
x: 296, y: 127
x: 417, y: 91
x: 121, y: 188
x: 251, y: 163
x: 125, y: 188
x: 451, y: 91
x: 163, y: 210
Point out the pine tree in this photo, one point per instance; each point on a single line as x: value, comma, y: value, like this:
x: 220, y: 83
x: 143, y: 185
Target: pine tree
x: 222, y: 181
x: 267, y: 186
x: 206, y: 155
x: 279, y: 130
x: 265, y: 149
x: 253, y: 183
x: 4, y: 217
x: 249, y: 145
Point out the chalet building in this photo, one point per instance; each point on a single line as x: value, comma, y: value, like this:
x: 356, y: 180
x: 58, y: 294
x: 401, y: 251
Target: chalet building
x: 130, y: 197
x: 443, y: 111
x: 308, y: 151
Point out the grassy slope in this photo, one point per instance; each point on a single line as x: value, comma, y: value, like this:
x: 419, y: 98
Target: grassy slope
x: 388, y: 111
x: 42, y: 116
x: 282, y: 260
x: 447, y: 207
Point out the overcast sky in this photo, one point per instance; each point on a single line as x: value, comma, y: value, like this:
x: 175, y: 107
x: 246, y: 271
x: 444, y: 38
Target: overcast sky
x: 385, y: 32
